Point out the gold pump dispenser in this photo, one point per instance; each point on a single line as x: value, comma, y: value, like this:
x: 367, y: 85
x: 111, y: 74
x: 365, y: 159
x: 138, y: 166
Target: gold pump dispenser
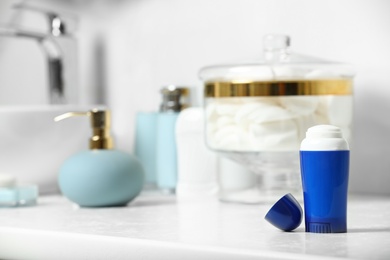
x: 100, y: 123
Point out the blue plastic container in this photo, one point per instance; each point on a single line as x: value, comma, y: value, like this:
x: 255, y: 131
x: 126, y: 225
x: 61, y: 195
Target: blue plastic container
x: 325, y: 186
x: 324, y: 158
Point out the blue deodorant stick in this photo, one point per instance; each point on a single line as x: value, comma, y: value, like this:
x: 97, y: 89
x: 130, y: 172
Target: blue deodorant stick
x: 324, y: 159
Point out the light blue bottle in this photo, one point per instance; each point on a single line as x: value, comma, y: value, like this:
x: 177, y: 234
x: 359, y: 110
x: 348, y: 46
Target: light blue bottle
x: 102, y: 176
x: 145, y: 145
x: 166, y: 152
x: 174, y: 100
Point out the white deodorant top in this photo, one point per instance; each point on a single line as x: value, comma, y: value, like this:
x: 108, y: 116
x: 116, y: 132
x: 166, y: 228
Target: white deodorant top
x: 324, y: 138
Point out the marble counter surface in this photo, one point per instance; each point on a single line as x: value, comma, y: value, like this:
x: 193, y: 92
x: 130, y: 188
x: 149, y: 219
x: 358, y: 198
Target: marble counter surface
x: 159, y: 227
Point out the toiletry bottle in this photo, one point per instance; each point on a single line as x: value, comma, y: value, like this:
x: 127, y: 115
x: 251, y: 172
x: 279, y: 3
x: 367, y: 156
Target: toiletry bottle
x: 145, y: 145
x: 197, y: 166
x: 173, y: 102
x: 325, y: 169
x: 101, y: 176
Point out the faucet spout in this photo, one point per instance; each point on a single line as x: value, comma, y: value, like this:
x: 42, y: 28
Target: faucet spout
x: 53, y: 56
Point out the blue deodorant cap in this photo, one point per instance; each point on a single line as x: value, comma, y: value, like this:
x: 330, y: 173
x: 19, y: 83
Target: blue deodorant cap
x: 285, y: 214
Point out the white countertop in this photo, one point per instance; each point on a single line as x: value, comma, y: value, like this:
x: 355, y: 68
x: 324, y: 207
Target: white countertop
x: 158, y: 227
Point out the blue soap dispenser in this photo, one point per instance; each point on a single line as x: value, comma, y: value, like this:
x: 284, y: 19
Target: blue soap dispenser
x: 101, y: 176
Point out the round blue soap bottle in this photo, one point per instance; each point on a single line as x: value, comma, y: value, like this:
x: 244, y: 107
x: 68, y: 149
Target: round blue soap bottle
x: 101, y: 176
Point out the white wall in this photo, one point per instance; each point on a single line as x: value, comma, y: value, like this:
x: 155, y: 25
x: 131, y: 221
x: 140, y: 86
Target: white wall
x: 150, y: 43
x: 17, y: 73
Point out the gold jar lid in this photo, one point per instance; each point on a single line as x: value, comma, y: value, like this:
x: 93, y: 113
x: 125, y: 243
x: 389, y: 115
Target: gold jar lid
x: 278, y: 72
x: 278, y: 88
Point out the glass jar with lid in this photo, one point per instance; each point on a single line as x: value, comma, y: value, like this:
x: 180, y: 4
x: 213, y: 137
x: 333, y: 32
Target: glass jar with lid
x: 257, y: 113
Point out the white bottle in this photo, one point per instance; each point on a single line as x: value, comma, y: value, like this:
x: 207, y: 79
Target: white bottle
x: 197, y: 165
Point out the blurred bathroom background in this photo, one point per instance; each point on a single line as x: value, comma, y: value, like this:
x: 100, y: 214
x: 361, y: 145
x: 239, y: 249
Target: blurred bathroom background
x: 128, y: 49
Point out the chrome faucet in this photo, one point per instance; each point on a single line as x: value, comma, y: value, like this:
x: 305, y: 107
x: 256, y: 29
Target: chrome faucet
x: 50, y: 48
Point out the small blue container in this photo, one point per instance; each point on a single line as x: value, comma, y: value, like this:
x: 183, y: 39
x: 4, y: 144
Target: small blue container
x: 324, y: 159
x: 145, y: 144
x: 166, y: 152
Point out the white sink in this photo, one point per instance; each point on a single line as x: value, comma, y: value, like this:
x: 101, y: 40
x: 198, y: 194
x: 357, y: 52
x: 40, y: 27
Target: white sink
x: 33, y: 146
